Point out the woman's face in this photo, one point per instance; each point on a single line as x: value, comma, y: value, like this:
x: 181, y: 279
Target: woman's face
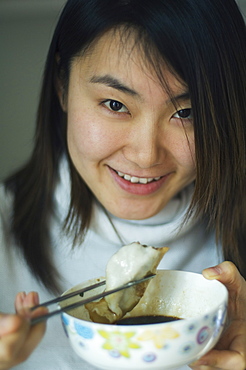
x: 126, y: 136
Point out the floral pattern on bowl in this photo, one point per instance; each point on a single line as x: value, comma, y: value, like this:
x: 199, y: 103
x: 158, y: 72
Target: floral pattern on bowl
x: 119, y: 342
x: 122, y: 344
x: 159, y: 336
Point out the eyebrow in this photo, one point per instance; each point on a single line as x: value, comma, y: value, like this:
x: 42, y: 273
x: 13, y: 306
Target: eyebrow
x: 181, y: 97
x: 118, y: 85
x: 114, y: 83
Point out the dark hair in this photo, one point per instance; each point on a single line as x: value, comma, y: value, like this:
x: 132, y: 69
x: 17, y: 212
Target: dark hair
x: 204, y: 43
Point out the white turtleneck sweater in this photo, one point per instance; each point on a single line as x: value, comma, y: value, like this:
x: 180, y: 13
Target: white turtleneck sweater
x: 191, y: 249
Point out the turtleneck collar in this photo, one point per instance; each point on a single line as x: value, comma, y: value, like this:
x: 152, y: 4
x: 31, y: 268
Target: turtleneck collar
x: 167, y: 222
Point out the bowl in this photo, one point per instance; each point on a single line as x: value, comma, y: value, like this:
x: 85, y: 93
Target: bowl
x: 200, y: 303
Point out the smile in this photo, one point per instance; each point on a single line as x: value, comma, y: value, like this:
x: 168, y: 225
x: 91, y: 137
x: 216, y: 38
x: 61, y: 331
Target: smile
x: 138, y: 180
x: 140, y: 186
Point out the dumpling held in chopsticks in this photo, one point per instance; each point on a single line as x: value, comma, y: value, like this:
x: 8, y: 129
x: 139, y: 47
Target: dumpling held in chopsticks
x: 133, y: 261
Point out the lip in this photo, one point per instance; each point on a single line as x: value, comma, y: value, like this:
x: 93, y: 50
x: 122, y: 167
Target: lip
x: 138, y: 189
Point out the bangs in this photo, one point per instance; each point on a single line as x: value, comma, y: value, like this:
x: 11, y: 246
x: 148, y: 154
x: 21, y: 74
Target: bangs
x: 136, y: 39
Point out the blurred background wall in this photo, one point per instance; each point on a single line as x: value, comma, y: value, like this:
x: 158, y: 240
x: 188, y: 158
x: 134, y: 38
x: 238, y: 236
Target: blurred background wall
x: 26, y: 27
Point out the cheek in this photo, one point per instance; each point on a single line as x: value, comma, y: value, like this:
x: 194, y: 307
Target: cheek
x: 88, y: 139
x: 187, y: 156
x: 183, y: 150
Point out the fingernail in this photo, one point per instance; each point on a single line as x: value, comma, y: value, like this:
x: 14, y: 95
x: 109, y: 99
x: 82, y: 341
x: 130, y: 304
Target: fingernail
x: 212, y: 272
x: 22, y: 295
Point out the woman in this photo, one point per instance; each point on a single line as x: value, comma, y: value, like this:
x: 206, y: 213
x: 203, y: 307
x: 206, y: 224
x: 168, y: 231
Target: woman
x: 140, y: 136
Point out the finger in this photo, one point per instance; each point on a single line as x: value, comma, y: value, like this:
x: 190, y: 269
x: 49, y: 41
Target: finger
x: 226, y: 360
x: 31, y: 299
x: 9, y: 324
x: 35, y: 335
x: 198, y: 365
x: 234, y: 338
x: 228, y: 274
x: 19, y: 299
x: 19, y: 339
x: 11, y: 342
x: 24, y: 302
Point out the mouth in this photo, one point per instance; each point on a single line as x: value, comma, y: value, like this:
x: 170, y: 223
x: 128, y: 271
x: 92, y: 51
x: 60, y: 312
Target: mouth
x: 137, y: 180
x: 136, y: 185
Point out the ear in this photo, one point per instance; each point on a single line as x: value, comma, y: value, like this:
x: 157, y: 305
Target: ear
x: 60, y: 88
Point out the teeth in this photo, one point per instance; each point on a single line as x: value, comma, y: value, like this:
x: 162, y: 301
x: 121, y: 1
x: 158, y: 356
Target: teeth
x: 134, y: 179
x: 137, y: 180
x: 143, y: 180
x: 127, y: 177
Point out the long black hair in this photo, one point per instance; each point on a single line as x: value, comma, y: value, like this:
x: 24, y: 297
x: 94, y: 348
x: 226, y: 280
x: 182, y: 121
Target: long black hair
x: 203, y: 42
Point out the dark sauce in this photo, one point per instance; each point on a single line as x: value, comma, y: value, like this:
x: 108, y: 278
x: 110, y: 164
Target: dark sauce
x: 144, y: 320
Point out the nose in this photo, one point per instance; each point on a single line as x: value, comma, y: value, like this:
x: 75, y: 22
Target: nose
x: 144, y: 144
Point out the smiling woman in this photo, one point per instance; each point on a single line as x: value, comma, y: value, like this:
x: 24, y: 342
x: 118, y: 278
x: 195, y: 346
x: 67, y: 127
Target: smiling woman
x: 140, y: 137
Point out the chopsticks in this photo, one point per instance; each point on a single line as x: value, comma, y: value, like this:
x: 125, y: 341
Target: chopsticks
x: 83, y: 301
x: 69, y: 295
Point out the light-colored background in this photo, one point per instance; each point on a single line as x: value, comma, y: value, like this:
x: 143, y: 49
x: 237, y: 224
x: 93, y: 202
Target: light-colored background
x: 26, y: 28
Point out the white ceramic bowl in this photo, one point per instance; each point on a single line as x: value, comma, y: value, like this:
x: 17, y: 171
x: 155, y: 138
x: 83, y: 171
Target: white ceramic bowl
x: 200, y: 302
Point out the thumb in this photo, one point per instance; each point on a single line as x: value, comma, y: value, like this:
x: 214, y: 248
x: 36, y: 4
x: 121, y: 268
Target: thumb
x: 227, y: 273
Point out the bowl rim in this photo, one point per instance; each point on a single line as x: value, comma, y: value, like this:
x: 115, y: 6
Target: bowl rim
x: 223, y: 303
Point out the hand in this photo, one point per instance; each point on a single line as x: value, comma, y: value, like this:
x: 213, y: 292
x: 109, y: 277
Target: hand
x: 230, y: 351
x: 17, y: 337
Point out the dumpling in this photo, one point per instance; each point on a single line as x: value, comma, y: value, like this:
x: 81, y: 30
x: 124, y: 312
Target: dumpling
x: 133, y: 261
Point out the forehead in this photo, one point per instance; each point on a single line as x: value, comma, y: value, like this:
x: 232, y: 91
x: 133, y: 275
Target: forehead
x: 116, y: 47
x: 119, y: 52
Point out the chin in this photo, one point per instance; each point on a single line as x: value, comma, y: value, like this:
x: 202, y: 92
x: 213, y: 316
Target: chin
x: 138, y: 215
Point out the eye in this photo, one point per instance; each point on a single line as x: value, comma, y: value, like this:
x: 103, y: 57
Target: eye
x: 115, y: 106
x: 184, y: 113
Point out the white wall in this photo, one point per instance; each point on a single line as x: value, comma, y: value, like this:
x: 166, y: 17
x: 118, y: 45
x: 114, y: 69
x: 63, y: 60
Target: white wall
x: 26, y: 27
